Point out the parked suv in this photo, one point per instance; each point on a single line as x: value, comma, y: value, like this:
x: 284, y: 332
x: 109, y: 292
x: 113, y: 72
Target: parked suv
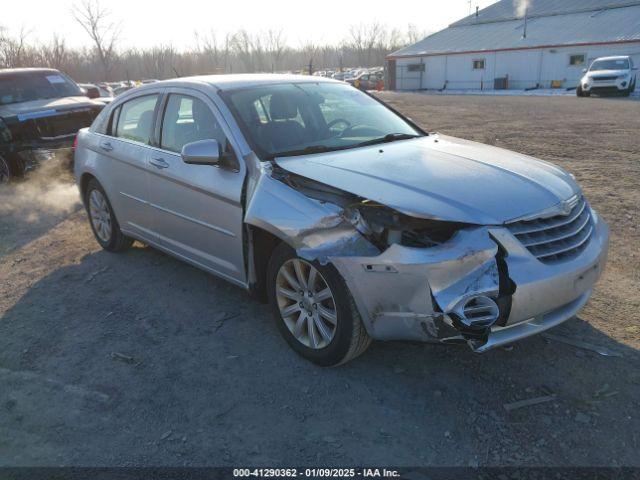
x: 349, y: 219
x: 41, y: 110
x: 609, y: 75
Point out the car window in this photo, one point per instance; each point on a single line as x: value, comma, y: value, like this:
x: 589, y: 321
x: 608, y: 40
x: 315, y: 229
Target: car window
x: 135, y: 119
x: 188, y: 119
x: 101, y: 122
x: 612, y: 64
x: 285, y: 119
x: 28, y: 86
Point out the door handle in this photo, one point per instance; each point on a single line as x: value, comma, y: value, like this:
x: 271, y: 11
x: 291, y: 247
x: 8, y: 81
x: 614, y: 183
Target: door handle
x: 159, y: 163
x: 106, y: 146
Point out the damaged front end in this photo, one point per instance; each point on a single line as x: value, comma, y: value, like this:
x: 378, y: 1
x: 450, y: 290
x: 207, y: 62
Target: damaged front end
x: 411, y: 278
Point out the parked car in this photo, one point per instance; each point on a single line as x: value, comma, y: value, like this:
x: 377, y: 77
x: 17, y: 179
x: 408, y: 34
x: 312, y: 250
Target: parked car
x: 609, y: 75
x: 349, y: 219
x: 105, y: 90
x: 41, y: 110
x: 90, y: 90
x: 366, y: 81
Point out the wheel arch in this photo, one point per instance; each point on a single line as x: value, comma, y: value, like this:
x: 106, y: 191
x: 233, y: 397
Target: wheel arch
x: 261, y: 245
x: 84, y: 181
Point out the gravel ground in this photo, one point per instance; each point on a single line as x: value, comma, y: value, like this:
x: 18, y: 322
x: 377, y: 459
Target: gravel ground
x: 138, y: 359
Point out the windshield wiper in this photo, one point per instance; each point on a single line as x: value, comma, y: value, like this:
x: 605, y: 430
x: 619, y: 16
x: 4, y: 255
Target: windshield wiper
x: 307, y: 151
x: 391, y: 137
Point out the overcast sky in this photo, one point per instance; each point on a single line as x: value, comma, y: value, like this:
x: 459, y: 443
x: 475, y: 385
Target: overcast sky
x: 153, y: 22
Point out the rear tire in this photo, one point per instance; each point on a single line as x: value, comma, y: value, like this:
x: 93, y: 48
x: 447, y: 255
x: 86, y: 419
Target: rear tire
x: 102, y: 219
x: 338, y: 342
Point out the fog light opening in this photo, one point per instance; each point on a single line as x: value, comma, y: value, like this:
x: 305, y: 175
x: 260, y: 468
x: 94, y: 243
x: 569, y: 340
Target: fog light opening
x: 478, y: 312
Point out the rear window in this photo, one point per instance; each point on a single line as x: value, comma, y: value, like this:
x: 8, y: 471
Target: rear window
x: 28, y: 86
x: 135, y: 119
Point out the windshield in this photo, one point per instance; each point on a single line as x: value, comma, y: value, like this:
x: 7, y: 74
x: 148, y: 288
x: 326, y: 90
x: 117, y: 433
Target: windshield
x: 27, y: 86
x: 296, y: 119
x: 619, y: 64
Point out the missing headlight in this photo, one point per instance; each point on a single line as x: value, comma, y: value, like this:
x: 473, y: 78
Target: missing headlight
x: 384, y: 226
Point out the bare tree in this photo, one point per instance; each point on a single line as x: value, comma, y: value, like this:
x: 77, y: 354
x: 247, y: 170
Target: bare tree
x: 95, y: 20
x: 363, y: 38
x: 160, y: 62
x: 13, y: 50
x: 239, y: 51
x: 55, y: 54
x: 414, y: 34
x: 276, y: 46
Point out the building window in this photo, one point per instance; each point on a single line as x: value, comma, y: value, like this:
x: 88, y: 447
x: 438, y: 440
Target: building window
x: 576, y: 60
x: 478, y: 64
x: 415, y: 67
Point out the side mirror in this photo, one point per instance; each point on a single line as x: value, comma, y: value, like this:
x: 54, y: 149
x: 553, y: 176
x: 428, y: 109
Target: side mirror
x: 584, y: 70
x: 202, y: 152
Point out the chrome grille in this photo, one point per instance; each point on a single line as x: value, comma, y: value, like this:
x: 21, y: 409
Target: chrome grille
x: 559, y: 238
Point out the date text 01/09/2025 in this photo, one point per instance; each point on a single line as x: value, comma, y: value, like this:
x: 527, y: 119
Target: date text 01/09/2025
x: 315, y: 472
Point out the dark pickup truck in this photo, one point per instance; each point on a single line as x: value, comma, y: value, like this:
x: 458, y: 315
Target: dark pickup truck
x: 41, y: 110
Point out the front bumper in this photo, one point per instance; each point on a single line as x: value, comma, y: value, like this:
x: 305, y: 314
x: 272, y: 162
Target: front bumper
x: 609, y: 86
x: 411, y: 294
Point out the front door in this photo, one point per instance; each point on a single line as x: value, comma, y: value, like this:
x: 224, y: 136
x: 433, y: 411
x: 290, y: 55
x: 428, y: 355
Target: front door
x: 198, y: 213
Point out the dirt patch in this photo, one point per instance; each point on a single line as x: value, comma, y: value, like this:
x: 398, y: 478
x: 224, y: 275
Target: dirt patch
x: 138, y: 359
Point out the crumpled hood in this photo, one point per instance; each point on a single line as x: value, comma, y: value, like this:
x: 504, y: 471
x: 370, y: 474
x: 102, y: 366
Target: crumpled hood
x: 47, y: 106
x: 442, y: 177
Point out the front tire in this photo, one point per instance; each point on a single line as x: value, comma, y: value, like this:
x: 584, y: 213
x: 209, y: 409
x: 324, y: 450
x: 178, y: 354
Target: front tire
x: 314, y: 310
x: 10, y: 169
x: 102, y: 219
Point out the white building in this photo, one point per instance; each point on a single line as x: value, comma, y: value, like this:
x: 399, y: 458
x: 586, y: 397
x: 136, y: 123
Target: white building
x: 500, y: 47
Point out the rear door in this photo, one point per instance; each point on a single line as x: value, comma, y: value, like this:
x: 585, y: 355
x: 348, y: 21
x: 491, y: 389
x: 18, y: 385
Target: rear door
x: 125, y: 175
x: 197, y: 208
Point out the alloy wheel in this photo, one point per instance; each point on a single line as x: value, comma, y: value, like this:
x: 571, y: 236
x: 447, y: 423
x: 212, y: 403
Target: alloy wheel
x: 306, y: 303
x: 100, y: 215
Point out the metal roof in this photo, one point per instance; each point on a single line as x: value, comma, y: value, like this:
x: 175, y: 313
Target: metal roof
x: 550, y: 23
x: 507, y: 9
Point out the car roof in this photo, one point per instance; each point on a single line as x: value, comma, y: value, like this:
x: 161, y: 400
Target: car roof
x: 7, y: 71
x: 231, y: 82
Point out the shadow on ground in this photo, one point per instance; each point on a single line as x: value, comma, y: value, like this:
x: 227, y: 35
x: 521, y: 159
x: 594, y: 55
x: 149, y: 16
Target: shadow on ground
x: 138, y: 359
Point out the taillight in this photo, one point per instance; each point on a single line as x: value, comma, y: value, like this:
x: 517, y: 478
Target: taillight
x: 75, y: 144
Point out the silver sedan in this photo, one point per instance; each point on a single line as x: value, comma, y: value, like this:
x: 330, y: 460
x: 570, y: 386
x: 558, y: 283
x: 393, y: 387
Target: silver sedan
x: 349, y: 219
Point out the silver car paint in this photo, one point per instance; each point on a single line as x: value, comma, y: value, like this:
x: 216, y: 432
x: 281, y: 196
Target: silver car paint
x: 401, y: 293
x: 442, y: 177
